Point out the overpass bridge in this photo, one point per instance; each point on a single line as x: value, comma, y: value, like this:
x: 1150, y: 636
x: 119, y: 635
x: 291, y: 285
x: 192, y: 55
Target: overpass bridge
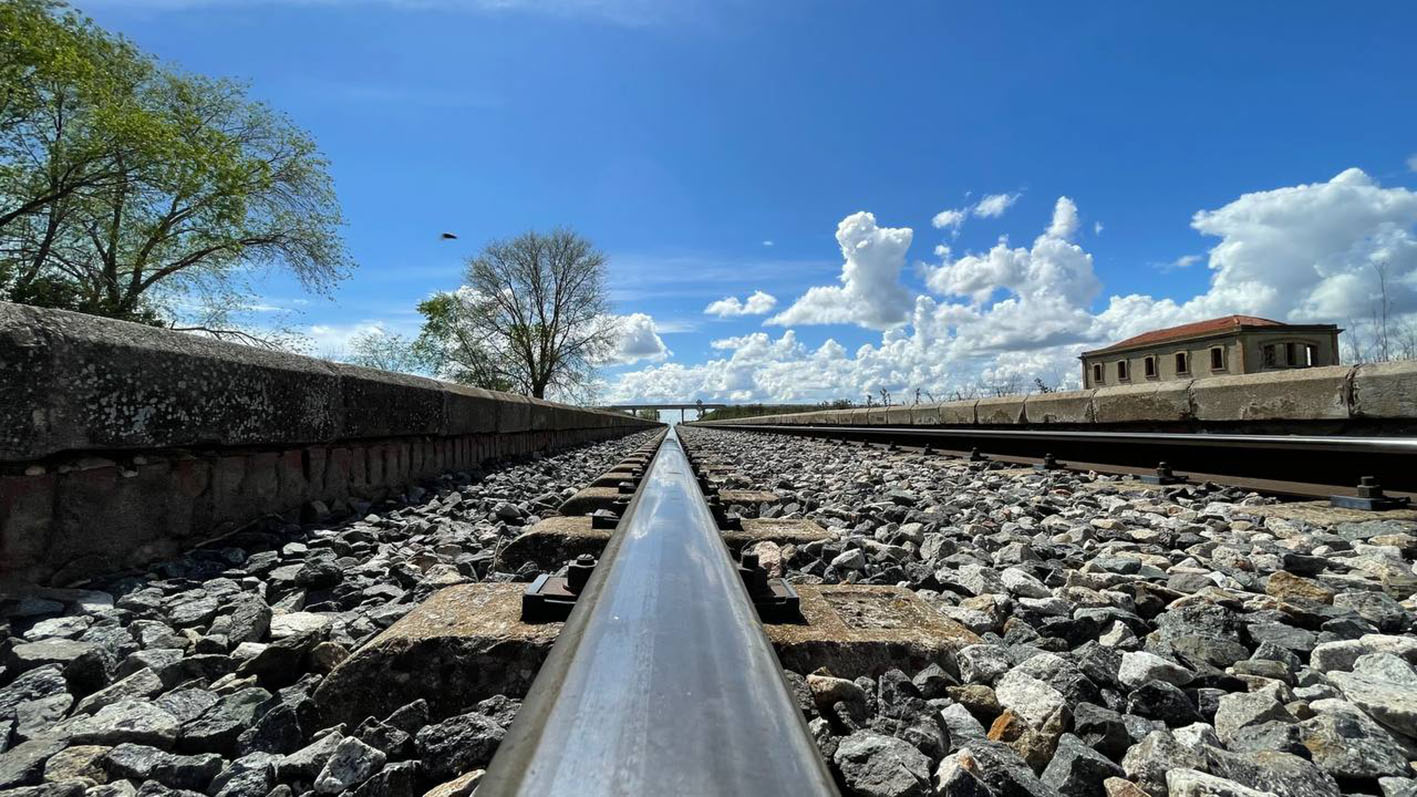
x: 700, y: 406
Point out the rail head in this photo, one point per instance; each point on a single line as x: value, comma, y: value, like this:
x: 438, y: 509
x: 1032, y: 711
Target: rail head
x: 662, y: 680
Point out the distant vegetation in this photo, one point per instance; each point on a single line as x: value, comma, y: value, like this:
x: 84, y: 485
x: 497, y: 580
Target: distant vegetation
x: 754, y: 410
x: 133, y: 190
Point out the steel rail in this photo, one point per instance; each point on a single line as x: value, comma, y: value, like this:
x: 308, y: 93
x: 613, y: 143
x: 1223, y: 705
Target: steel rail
x: 1334, y: 460
x: 662, y: 680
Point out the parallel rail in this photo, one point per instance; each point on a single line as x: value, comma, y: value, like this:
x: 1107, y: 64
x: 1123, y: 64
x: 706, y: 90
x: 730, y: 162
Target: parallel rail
x: 1312, y: 464
x: 662, y: 680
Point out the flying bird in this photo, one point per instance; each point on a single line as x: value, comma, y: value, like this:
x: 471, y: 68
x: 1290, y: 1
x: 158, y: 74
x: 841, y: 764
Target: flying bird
x: 447, y: 236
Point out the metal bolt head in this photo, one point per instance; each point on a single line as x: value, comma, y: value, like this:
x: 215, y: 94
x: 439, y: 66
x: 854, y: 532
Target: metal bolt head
x: 578, y: 573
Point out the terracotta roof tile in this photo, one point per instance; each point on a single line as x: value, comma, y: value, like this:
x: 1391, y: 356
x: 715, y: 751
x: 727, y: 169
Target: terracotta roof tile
x: 1196, y: 329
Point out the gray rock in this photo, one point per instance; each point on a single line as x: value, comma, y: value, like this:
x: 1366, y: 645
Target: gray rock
x: 982, y: 664
x: 1191, y: 783
x: 882, y: 766
x: 85, y: 665
x: 1077, y: 770
x: 351, y: 763
x: 187, y: 704
x: 1138, y: 667
x: 250, y: 619
x: 1159, y: 700
x: 1392, y: 703
x: 139, y: 763
x: 1239, y: 710
x: 306, y: 763
x: 980, y: 580
x: 1028, y: 697
x: 79, y: 762
x: 23, y: 764
x: 135, y: 721
x: 40, y: 682
x: 852, y: 559
x: 59, y: 628
x: 458, y: 744
x: 141, y: 684
x: 1001, y: 770
x: 1349, y: 745
x: 249, y: 776
x: 218, y: 728
x: 36, y: 716
x: 1277, y: 773
x: 1148, y: 761
x: 953, y: 780
x: 191, y: 608
x: 961, y: 724
x: 1101, y: 729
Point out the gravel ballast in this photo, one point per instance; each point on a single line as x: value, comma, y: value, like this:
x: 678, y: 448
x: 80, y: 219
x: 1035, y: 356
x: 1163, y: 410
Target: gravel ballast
x: 1174, y: 641
x: 196, y: 675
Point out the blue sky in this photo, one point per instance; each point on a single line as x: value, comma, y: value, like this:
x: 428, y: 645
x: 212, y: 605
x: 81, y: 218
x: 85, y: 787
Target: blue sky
x: 713, y: 150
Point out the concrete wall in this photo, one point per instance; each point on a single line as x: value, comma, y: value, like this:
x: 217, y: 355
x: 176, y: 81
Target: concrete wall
x: 121, y: 443
x: 1381, y: 397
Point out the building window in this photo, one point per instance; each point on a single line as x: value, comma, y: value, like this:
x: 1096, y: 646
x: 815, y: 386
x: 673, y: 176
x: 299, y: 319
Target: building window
x: 1290, y: 358
x: 1122, y: 371
x: 1183, y: 365
x: 1311, y: 356
x: 1217, y: 359
x: 1097, y: 373
x: 1271, y: 355
x: 1149, y: 365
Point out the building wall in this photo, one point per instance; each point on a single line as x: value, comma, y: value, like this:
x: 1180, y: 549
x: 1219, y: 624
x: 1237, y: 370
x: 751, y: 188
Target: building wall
x: 1236, y: 359
x: 1325, y: 347
x: 1243, y: 354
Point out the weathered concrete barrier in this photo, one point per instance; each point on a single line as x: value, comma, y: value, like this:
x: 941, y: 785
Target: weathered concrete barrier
x: 122, y: 443
x: 1381, y: 397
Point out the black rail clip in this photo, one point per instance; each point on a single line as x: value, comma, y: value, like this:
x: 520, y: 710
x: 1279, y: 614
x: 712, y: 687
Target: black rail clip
x: 603, y: 520
x: 774, y: 598
x: 1048, y: 463
x: 549, y: 599
x: 726, y: 521
x: 1163, y: 475
x: 1370, y: 498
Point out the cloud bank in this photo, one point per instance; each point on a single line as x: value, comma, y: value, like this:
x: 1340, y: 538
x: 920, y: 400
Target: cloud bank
x: 1314, y: 252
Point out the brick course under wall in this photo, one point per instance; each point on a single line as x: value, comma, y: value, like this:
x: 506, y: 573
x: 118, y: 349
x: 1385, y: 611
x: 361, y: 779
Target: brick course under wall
x: 121, y: 444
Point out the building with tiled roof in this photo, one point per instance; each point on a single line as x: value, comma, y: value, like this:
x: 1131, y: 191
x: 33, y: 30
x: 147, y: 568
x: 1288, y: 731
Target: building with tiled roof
x: 1232, y: 344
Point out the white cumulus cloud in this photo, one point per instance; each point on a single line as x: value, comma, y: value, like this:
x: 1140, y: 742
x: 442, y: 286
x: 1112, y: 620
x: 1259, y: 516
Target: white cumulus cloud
x: 757, y: 304
x: 949, y: 219
x: 994, y: 205
x: 1000, y: 318
x: 871, y: 294
x: 637, y: 339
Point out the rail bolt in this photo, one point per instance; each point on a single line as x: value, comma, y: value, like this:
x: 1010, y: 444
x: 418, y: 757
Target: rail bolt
x: 578, y: 572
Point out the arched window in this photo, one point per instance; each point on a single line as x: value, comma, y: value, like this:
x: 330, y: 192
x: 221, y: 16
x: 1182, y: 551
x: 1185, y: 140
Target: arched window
x: 1122, y: 371
x: 1217, y: 359
x: 1149, y: 367
x: 1183, y: 365
x: 1097, y: 373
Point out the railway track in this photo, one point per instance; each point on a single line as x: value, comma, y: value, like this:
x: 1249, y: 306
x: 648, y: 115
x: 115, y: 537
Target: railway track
x: 663, y: 631
x: 1310, y: 466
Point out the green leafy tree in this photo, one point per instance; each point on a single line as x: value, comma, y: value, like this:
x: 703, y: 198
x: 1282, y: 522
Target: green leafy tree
x: 132, y: 190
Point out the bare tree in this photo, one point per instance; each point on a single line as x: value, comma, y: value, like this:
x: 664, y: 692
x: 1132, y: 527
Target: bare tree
x: 533, y: 316
x: 1382, y: 307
